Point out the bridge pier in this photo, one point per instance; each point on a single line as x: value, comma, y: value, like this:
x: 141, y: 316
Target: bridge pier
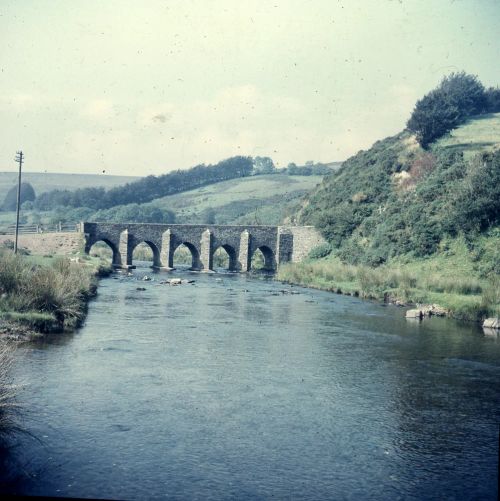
x: 166, y: 252
x: 244, y: 254
x: 124, y: 251
x: 206, y: 254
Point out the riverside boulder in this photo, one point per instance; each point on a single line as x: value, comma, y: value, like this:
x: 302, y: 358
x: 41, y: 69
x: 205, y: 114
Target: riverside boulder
x: 492, y: 323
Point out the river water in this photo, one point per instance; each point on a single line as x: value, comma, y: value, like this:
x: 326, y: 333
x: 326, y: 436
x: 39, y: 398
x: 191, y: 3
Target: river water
x: 231, y: 388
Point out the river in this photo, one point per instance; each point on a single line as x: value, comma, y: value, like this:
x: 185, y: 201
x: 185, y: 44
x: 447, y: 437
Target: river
x: 231, y: 388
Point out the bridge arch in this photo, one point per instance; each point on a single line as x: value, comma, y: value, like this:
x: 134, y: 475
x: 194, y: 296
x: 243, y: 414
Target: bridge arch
x: 232, y: 256
x: 195, y: 255
x: 116, y: 257
x: 153, y: 247
x: 269, y: 258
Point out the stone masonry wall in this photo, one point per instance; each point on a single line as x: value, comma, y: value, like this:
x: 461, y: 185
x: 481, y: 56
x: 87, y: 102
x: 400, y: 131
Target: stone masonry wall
x: 305, y: 238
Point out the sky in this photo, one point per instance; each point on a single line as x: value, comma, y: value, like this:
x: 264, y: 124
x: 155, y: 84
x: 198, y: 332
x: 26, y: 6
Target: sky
x: 144, y: 87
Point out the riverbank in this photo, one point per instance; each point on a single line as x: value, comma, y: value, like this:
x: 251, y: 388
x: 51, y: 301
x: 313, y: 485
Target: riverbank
x: 457, y: 292
x: 40, y: 295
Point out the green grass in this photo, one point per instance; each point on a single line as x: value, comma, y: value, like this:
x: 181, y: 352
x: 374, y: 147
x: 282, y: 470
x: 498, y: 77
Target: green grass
x: 257, y: 199
x: 451, y: 278
x: 479, y: 134
x: 46, y: 294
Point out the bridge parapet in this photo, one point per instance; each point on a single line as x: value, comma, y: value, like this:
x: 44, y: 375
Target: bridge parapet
x: 278, y: 244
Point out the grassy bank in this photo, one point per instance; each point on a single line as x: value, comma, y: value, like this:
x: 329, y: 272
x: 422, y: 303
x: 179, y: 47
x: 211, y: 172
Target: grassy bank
x: 448, y: 279
x: 44, y: 294
x: 38, y: 295
x: 7, y: 393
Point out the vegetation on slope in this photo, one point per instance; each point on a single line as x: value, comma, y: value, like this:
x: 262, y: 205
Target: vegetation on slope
x: 153, y: 187
x: 263, y: 199
x: 458, y: 97
x: 148, y: 188
x: 448, y: 278
x: 398, y: 204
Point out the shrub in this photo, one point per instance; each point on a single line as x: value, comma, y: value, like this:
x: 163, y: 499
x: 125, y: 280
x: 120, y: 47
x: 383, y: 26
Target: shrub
x: 320, y: 251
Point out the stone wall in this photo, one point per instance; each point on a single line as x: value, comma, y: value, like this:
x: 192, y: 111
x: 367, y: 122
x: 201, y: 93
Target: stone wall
x: 305, y: 238
x: 48, y: 243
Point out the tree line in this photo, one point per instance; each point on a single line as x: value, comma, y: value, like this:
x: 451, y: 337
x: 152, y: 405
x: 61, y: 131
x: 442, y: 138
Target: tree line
x: 148, y: 188
x: 152, y: 187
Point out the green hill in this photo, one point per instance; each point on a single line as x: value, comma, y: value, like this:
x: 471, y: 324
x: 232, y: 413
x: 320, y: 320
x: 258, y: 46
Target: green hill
x: 477, y: 135
x: 413, y: 224
x: 263, y: 199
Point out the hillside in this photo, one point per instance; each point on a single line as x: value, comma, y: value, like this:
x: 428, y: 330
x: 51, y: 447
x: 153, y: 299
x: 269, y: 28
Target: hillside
x: 475, y: 136
x: 428, y: 219
x: 47, y: 181
x: 263, y: 199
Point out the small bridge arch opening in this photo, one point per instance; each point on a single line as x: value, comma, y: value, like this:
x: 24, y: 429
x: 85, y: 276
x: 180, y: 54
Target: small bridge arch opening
x: 104, y: 249
x: 146, y: 251
x: 263, y: 258
x: 186, y: 254
x: 225, y: 258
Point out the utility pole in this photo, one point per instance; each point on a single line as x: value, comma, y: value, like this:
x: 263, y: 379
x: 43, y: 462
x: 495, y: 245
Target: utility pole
x: 19, y: 158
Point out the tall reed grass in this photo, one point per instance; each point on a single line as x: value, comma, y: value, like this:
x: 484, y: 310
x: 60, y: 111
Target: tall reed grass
x: 467, y: 297
x: 59, y: 291
x: 8, y: 406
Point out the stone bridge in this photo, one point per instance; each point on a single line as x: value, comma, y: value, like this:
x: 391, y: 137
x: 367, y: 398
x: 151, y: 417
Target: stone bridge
x: 278, y: 244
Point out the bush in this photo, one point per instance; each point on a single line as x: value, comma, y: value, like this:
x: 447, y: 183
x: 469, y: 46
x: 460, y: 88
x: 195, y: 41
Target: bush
x: 320, y: 251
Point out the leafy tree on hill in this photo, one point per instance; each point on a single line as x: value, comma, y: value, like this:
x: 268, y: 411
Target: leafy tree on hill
x: 263, y: 165
x: 27, y: 194
x: 458, y: 97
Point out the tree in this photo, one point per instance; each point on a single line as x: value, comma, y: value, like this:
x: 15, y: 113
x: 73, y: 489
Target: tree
x: 458, y: 97
x: 493, y: 100
x: 27, y: 194
x: 263, y: 165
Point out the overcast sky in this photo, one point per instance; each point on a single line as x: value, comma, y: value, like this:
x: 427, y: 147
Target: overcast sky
x: 144, y: 87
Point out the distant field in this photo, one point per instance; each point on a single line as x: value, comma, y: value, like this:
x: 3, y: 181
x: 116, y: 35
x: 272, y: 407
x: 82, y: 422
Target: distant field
x: 257, y: 199
x: 482, y: 133
x: 42, y: 182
